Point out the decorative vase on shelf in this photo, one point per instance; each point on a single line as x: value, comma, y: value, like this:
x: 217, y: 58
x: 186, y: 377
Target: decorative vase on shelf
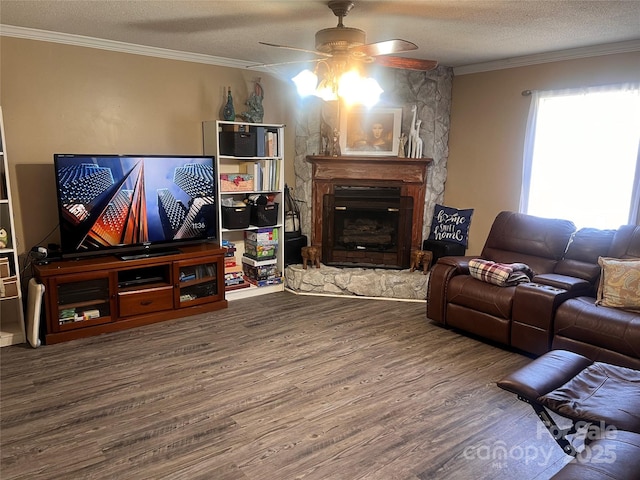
x: 228, y: 112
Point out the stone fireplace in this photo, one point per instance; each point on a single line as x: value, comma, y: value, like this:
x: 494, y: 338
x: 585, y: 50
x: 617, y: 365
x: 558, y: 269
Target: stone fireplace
x: 431, y: 92
x: 363, y: 209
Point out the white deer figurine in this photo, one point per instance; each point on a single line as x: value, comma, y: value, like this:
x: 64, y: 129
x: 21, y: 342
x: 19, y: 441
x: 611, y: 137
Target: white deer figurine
x: 418, y: 144
x: 414, y: 148
x: 412, y: 132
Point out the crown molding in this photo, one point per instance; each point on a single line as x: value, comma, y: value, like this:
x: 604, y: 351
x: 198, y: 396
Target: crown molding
x: 113, y: 45
x: 548, y: 57
x: 116, y: 46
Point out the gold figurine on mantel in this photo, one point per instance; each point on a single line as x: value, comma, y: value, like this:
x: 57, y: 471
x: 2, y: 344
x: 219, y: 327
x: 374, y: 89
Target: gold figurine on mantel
x: 335, y: 145
x: 403, y: 142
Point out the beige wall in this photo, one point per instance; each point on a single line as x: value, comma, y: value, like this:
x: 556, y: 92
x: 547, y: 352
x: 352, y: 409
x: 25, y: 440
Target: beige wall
x: 488, y: 120
x: 67, y: 99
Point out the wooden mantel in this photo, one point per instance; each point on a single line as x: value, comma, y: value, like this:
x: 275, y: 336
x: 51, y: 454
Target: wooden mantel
x: 410, y: 174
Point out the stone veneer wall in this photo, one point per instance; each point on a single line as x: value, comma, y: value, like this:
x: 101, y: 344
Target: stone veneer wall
x: 430, y: 91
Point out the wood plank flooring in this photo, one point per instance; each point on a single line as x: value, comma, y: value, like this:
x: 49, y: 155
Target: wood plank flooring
x: 276, y: 387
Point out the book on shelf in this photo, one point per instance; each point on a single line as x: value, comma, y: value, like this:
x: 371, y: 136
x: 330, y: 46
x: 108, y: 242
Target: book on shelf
x: 261, y: 141
x: 233, y: 268
x: 230, y: 248
x: 233, y: 277
x: 265, y: 283
x: 237, y: 286
x: 266, y: 174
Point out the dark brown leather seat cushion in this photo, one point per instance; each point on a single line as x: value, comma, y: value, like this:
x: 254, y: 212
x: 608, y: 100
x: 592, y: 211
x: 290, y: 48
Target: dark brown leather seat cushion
x: 615, y: 458
x: 600, y: 392
x: 608, y: 328
x: 481, y: 296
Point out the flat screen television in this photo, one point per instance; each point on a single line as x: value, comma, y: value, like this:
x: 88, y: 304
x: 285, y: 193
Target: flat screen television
x: 134, y: 205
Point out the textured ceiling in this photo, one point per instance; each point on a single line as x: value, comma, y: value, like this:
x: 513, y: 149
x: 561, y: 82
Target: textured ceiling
x: 455, y: 33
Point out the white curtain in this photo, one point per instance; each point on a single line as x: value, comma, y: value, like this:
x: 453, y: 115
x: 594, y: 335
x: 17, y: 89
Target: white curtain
x: 581, y: 158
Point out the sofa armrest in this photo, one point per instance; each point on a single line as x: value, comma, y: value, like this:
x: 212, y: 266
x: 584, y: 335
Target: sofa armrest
x: 577, y: 286
x: 441, y: 273
x: 460, y: 263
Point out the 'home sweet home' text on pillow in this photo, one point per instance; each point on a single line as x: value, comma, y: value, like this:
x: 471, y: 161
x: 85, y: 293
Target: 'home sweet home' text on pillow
x: 451, y: 225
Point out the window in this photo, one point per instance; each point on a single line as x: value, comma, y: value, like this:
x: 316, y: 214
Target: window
x: 581, y: 158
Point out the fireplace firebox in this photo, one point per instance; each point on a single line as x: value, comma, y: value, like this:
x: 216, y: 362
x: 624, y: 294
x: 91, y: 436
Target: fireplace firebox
x: 367, y: 226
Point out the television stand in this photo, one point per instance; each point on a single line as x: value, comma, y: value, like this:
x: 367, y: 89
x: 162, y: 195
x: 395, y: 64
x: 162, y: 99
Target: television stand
x: 149, y: 254
x: 90, y: 296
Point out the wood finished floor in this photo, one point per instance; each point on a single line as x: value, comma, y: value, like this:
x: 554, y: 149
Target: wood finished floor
x: 276, y: 387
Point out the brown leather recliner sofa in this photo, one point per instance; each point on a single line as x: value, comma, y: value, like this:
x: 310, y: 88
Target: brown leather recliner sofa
x: 603, y: 334
x: 551, y: 311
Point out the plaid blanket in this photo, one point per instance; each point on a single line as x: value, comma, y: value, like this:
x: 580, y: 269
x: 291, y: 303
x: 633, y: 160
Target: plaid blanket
x: 501, y: 274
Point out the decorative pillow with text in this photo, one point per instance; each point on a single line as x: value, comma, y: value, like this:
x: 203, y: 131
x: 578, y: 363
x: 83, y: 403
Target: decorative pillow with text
x: 451, y: 225
x: 619, y: 283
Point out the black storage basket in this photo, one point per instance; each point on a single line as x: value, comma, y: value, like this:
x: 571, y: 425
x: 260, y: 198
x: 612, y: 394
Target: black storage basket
x: 264, y: 215
x: 236, y: 217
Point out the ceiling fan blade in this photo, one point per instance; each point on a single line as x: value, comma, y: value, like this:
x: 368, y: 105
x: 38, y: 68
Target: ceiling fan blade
x: 406, y: 63
x: 261, y: 65
x: 383, y: 48
x: 296, y: 49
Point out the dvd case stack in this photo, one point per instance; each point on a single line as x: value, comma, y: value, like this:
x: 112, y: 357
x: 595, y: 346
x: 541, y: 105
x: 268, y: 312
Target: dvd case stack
x: 233, y: 274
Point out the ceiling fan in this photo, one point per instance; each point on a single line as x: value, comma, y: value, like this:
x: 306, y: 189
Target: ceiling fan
x: 343, y: 44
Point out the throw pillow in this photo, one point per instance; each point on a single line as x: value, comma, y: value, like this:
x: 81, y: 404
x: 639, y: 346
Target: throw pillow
x: 451, y: 225
x: 619, y: 283
x: 500, y: 274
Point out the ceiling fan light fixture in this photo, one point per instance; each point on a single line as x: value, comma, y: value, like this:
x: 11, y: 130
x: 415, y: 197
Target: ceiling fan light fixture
x: 354, y: 89
x: 350, y: 87
x: 306, y: 82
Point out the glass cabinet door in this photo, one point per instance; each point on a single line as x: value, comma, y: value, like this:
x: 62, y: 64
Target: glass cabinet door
x: 197, y: 282
x: 82, y: 301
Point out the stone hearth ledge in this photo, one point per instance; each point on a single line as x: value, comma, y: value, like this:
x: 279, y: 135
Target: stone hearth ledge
x: 361, y: 282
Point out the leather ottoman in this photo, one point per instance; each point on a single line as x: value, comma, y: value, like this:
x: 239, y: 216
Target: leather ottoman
x: 603, y: 398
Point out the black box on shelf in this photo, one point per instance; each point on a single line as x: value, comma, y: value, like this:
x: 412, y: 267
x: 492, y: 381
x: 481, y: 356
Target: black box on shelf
x: 293, y: 249
x: 235, y: 217
x: 264, y: 215
x: 238, y: 144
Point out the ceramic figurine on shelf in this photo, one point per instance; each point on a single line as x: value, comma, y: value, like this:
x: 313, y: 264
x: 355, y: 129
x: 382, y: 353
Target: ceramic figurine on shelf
x: 255, y: 113
x: 228, y: 112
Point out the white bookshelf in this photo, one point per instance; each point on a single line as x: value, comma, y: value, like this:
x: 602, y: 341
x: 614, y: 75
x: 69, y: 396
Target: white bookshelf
x: 12, y: 328
x: 234, y: 164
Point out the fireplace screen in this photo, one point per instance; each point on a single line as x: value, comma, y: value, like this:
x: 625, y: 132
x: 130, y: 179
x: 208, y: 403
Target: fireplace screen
x: 367, y: 226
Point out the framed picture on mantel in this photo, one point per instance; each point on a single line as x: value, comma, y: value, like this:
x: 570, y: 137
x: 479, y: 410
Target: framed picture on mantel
x: 370, y: 131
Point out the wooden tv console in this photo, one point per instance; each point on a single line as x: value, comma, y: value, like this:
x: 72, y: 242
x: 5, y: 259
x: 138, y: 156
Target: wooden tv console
x: 91, y: 296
